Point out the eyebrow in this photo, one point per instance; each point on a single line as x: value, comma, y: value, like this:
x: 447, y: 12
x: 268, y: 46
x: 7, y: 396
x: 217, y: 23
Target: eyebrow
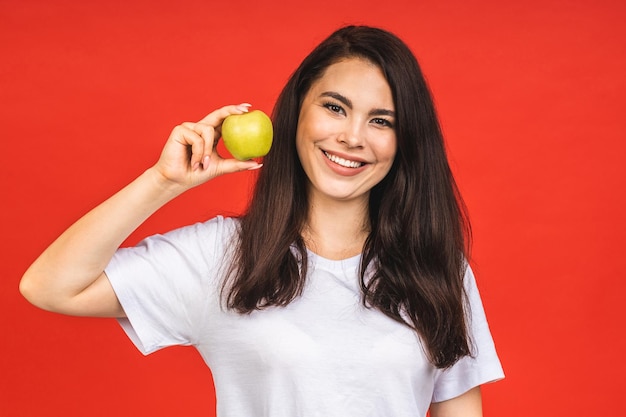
x: 346, y: 101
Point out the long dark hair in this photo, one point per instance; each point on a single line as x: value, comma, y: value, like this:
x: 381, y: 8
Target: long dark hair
x: 419, y: 239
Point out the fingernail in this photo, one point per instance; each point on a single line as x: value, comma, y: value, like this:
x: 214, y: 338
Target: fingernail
x: 255, y: 167
x: 244, y: 107
x: 195, y: 166
x: 205, y: 162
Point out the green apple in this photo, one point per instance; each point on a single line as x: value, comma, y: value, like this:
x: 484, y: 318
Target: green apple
x: 248, y: 135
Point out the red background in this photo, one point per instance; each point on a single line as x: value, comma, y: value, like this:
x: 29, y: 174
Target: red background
x: 531, y: 97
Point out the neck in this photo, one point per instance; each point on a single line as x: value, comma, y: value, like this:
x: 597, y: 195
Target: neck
x: 337, y: 229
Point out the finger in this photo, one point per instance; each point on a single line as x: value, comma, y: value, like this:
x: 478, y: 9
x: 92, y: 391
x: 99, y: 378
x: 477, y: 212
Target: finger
x: 187, y: 135
x: 228, y: 166
x: 210, y: 142
x: 216, y: 117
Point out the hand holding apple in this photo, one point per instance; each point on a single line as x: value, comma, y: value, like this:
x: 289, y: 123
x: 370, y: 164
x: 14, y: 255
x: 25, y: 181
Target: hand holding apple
x: 248, y: 135
x: 189, y: 157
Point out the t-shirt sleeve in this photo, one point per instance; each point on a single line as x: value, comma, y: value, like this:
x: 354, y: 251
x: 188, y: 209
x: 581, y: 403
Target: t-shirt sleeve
x: 165, y: 282
x: 484, y: 366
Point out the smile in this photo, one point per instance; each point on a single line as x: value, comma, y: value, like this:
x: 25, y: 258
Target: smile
x: 343, y: 162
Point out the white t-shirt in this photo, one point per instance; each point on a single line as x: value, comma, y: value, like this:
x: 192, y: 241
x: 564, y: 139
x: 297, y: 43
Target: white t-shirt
x: 324, y: 354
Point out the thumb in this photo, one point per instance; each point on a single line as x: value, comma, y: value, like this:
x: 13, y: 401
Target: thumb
x: 228, y: 166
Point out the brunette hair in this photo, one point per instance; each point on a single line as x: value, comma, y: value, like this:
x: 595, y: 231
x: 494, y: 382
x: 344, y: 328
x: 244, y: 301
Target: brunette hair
x: 420, y: 234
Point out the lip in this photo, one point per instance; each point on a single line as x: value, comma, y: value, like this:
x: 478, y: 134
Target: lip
x: 341, y: 170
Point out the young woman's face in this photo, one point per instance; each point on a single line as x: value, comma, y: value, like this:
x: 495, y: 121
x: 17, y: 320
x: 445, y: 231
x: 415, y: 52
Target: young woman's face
x: 346, y: 139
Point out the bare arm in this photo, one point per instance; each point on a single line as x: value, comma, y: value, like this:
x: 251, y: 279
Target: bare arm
x: 68, y: 277
x: 465, y: 405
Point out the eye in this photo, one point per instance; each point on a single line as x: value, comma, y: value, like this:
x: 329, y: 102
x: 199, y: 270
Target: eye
x: 333, y: 107
x: 382, y: 122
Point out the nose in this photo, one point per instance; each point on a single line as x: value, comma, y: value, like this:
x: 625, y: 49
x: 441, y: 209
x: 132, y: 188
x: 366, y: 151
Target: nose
x: 352, y: 136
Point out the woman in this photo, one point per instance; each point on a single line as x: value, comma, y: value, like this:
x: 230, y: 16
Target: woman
x: 344, y: 289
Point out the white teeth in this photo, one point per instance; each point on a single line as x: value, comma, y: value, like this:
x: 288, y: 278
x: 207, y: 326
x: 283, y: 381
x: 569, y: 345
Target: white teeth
x: 343, y: 162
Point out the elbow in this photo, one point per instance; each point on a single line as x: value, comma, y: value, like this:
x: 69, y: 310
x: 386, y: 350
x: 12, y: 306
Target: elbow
x: 27, y: 289
x: 31, y: 291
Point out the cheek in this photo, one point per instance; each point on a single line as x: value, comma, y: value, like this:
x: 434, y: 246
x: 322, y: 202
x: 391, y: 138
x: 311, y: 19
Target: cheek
x: 314, y: 127
x: 302, y: 144
x: 386, y: 149
x: 302, y: 129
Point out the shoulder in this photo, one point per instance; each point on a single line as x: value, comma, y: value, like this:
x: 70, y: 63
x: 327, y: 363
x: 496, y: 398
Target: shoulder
x: 215, y: 231
x: 199, y: 243
x: 219, y: 225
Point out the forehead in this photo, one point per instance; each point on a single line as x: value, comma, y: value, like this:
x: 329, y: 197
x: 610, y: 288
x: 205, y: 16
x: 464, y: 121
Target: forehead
x: 354, y: 76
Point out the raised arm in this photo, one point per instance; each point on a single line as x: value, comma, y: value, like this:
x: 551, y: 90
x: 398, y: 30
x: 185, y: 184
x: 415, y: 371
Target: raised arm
x: 68, y: 277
